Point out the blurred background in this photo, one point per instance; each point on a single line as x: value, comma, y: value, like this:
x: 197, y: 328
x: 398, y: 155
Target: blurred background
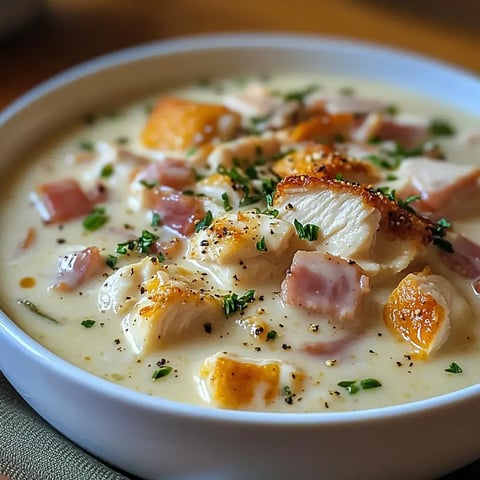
x: 39, y: 38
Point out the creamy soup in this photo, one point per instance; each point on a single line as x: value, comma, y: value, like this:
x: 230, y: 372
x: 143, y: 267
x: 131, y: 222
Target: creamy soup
x: 294, y: 244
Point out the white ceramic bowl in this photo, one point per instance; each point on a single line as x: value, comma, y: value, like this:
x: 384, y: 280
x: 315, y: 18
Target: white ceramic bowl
x: 156, y: 438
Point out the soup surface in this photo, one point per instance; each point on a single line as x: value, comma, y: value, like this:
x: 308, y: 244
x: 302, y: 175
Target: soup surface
x: 284, y: 243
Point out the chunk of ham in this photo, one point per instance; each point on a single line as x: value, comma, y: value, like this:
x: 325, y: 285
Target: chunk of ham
x: 465, y: 258
x: 325, y: 284
x: 170, y: 172
x: 441, y: 186
x: 355, y: 222
x: 407, y: 132
x: 61, y: 200
x: 77, y: 268
x: 177, y: 211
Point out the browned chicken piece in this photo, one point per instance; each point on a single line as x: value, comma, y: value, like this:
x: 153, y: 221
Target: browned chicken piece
x: 355, y: 222
x: 322, y: 161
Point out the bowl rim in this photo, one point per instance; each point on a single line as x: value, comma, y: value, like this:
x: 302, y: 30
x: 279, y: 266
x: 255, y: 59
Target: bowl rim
x: 242, y: 40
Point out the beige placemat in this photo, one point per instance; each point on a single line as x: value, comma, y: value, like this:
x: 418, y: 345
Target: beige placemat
x: 30, y: 449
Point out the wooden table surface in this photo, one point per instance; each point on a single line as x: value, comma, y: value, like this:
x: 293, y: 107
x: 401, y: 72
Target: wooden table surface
x: 71, y: 31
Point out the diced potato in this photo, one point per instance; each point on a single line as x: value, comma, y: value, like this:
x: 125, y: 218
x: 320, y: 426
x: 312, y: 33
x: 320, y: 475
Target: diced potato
x: 235, y: 382
x: 176, y: 124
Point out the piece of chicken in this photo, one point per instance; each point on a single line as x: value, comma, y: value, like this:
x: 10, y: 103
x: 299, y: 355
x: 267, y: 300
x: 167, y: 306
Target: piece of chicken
x: 354, y: 222
x: 235, y: 382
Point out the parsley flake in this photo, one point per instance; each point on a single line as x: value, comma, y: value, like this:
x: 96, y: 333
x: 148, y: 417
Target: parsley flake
x: 161, y: 372
x: 306, y: 232
x: 142, y: 244
x: 226, y: 202
x: 233, y: 303
x: 261, y: 245
x: 88, y: 323
x: 107, y: 171
x: 454, y: 368
x: 156, y: 220
x: 96, y: 219
x: 205, y: 222
x: 441, y: 128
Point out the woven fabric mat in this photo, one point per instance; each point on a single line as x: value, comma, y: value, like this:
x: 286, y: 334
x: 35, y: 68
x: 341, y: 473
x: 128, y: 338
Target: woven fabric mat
x: 22, y: 431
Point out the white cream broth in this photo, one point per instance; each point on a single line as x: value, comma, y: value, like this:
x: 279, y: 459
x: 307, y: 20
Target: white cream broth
x: 372, y: 352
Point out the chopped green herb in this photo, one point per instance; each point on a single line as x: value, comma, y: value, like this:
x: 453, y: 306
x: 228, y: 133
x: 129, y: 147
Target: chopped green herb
x: 405, y: 204
x: 88, y: 323
x: 191, y: 193
x: 268, y: 211
x: 161, y: 257
x: 248, y: 199
x: 349, y: 385
x: 391, y: 109
x: 439, y: 233
x: 148, y: 184
x: 233, y: 303
x: 251, y: 173
x: 286, y: 391
x: 441, y: 128
x: 34, y: 309
x: 383, y: 162
x: 454, y: 368
x: 96, y: 219
x: 261, y: 245
x: 87, y: 146
x: 122, y: 140
x: 346, y: 91
x: 226, y: 202
x: 299, y: 95
x: 338, y: 176
x: 306, y: 232
x: 142, y: 244
x: 392, y: 178
x: 368, y: 383
x: 111, y: 261
x: 354, y: 386
x: 161, y: 372
x: 107, y: 171
x: 205, y: 222
x: 156, y: 219
x: 279, y: 155
x: 271, y: 335
x: 191, y: 151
